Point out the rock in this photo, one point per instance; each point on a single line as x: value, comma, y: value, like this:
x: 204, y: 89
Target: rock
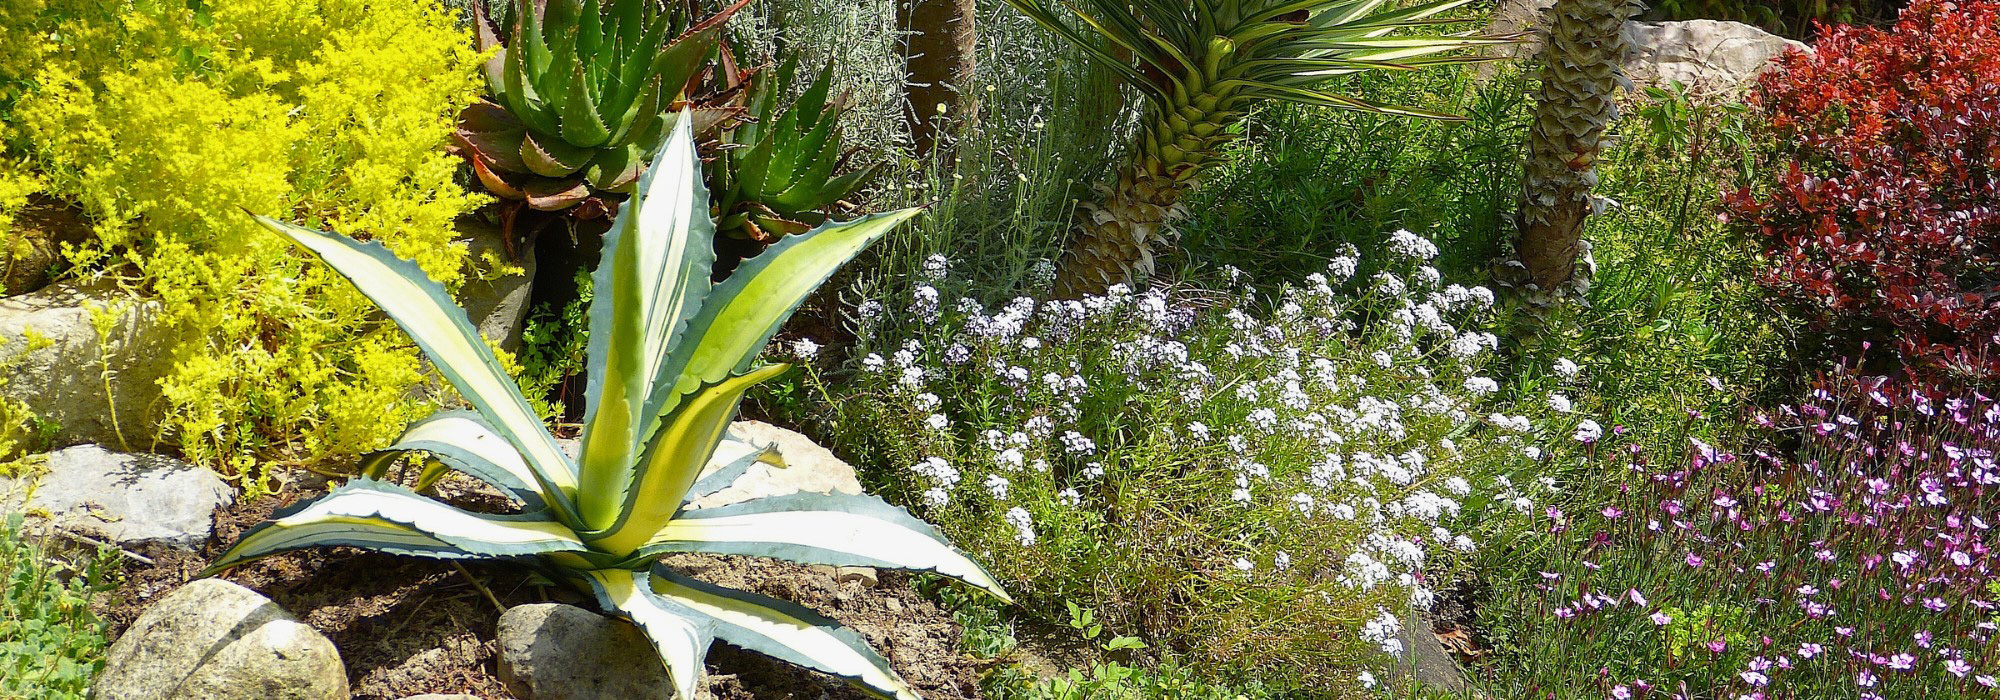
x: 1426, y: 661
x: 1711, y: 58
x: 215, y: 640
x: 443, y: 696
x: 128, y: 499
x: 864, y: 575
x: 50, y: 359
x: 808, y: 468
x: 33, y: 245
x: 550, y: 651
x: 497, y: 306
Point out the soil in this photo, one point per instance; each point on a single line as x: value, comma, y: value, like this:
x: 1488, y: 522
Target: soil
x: 408, y: 626
x: 34, y: 246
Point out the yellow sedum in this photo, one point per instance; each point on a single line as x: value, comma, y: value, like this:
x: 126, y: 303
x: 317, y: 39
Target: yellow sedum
x: 164, y: 123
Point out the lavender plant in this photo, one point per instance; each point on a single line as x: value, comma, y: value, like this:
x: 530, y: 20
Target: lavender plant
x: 1849, y: 559
x: 1269, y: 483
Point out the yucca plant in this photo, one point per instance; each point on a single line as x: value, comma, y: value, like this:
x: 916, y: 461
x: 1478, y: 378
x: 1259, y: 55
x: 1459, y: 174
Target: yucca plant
x: 580, y: 95
x: 784, y: 166
x: 670, y: 357
x: 1201, y: 66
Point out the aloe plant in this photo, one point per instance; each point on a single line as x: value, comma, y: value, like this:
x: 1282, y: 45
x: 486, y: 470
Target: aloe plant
x: 785, y: 166
x: 580, y: 94
x: 1202, y: 65
x: 670, y: 357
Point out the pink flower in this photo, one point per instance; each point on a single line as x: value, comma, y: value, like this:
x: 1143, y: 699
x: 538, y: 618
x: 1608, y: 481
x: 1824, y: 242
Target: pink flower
x: 1661, y: 619
x: 1693, y: 560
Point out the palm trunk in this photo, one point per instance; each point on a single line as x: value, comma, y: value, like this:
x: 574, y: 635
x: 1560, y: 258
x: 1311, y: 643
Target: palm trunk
x: 1575, y: 107
x: 1117, y: 235
x: 940, y: 56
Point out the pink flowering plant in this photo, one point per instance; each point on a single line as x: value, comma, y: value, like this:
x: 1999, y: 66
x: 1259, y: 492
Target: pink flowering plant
x: 1849, y: 557
x: 1274, y: 482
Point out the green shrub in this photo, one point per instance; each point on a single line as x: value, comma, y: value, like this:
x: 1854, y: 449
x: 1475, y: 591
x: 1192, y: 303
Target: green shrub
x: 1253, y: 488
x: 165, y: 121
x: 51, y: 645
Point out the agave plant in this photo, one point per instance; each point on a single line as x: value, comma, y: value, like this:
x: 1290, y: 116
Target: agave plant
x: 1201, y: 65
x: 580, y: 95
x: 671, y: 355
x: 779, y: 177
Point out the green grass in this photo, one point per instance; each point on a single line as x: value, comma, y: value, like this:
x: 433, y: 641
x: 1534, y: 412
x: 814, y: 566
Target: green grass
x: 51, y: 645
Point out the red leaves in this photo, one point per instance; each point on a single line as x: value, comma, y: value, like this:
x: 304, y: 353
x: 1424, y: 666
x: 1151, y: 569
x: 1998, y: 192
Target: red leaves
x: 1884, y: 222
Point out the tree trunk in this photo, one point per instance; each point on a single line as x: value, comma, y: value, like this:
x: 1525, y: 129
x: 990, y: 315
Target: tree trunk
x: 1575, y: 107
x: 1116, y: 237
x: 940, y: 53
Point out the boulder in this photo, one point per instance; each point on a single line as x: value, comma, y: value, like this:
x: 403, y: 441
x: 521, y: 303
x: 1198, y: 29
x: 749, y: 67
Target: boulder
x: 128, y: 499
x: 215, y: 640
x: 551, y: 651
x: 50, y: 359
x: 1425, y: 663
x: 1712, y: 58
x: 498, y: 306
x: 808, y: 468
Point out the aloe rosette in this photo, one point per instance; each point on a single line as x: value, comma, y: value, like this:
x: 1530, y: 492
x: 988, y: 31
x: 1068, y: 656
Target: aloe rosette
x: 670, y: 357
x: 580, y: 95
x: 785, y: 169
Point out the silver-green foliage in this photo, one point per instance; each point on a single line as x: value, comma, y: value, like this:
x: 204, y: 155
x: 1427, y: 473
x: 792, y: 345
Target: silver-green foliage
x: 669, y: 359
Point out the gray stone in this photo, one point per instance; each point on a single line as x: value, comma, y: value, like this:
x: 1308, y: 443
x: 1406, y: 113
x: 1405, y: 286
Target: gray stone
x: 50, y: 359
x: 1711, y: 58
x: 863, y: 575
x: 1426, y: 661
x: 498, y: 306
x: 129, y: 499
x: 215, y: 640
x: 550, y: 651
x: 808, y: 468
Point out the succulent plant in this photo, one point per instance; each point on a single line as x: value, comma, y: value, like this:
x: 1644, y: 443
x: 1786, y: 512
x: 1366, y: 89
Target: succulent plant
x: 670, y: 357
x: 784, y: 167
x: 580, y: 94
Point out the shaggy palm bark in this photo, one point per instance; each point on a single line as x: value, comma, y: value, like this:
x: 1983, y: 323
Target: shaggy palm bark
x: 1116, y: 236
x: 940, y: 56
x: 1581, y: 72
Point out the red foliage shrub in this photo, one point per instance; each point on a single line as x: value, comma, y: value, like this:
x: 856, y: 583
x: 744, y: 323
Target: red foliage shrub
x: 1882, y: 217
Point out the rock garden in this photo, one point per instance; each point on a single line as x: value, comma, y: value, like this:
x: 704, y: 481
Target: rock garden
x: 1012, y: 349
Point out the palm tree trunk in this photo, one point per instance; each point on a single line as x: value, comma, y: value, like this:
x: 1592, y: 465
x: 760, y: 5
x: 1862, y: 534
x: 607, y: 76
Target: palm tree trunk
x: 940, y: 55
x: 1117, y: 235
x: 1576, y: 105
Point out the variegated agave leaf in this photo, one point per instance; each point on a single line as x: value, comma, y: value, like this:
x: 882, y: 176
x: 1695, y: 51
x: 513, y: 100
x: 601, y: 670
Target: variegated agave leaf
x: 670, y: 357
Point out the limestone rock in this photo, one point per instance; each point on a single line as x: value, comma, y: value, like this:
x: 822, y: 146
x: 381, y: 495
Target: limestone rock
x: 1709, y: 57
x: 51, y: 359
x: 808, y: 468
x: 1712, y: 58
x: 129, y: 499
x: 550, y: 651
x: 1426, y: 661
x: 497, y: 306
x: 215, y: 640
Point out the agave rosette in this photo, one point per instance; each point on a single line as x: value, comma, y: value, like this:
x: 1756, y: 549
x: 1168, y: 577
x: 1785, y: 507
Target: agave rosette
x: 670, y: 357
x: 580, y: 95
x: 785, y: 166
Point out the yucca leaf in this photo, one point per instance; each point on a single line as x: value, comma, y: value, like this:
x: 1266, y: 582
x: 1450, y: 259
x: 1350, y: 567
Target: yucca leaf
x: 811, y: 528
x: 784, y: 631
x: 1048, y: 20
x: 465, y: 442
x: 743, y: 312
x: 680, y: 635
x: 388, y: 518
x: 440, y: 328
x: 657, y: 257
x: 673, y: 459
x: 1327, y: 99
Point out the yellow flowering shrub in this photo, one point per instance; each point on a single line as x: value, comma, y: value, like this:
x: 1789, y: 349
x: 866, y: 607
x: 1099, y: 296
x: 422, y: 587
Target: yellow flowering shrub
x: 164, y: 123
